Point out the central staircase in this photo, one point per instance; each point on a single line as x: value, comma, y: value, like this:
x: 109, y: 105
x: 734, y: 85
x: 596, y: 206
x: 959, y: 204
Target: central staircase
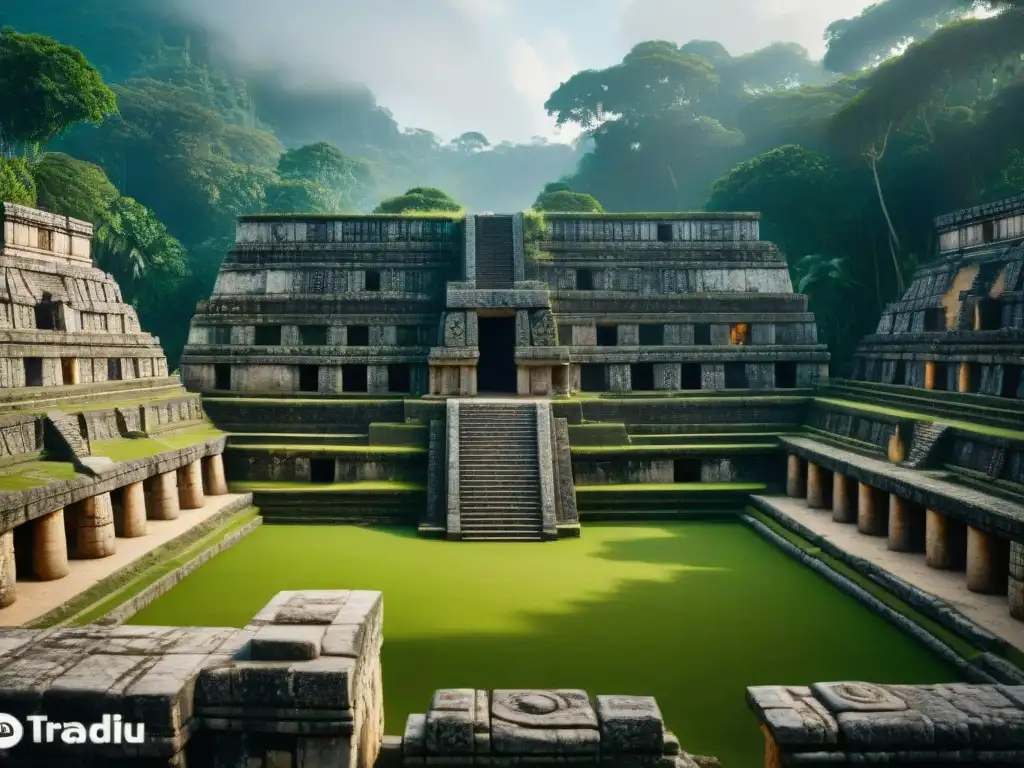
x: 494, y: 252
x: 499, y: 472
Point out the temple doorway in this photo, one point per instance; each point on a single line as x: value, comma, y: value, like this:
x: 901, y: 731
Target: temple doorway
x: 496, y: 370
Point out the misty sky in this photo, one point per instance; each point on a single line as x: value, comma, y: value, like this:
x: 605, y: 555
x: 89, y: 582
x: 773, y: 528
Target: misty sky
x: 489, y: 65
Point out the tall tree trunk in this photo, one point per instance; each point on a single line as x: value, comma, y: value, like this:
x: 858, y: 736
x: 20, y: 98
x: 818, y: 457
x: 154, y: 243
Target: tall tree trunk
x: 874, y: 156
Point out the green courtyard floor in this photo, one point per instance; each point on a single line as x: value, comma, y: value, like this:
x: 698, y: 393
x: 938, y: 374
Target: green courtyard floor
x: 690, y: 612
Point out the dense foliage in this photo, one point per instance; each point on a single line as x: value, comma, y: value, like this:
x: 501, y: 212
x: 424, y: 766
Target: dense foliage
x: 420, y: 199
x: 914, y: 111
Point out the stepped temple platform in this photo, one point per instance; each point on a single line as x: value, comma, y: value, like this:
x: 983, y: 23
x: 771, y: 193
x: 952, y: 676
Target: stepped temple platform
x: 488, y: 378
x: 100, y: 448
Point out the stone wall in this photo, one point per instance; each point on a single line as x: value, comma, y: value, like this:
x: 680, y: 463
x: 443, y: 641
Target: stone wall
x: 317, y: 305
x: 66, y: 322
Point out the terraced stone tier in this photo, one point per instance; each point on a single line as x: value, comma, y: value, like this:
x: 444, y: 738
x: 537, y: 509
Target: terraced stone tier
x: 666, y: 500
x: 383, y: 502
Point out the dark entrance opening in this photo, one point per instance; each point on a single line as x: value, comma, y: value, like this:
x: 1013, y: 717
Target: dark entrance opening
x: 736, y: 376
x: 592, y: 377
x: 46, y: 314
x: 607, y: 335
x: 690, y: 376
x: 642, y: 375
x: 398, y: 378
x: 785, y: 375
x: 496, y: 370
x: 942, y: 377
x: 321, y: 470
x: 221, y: 376
x: 23, y: 550
x: 899, y: 375
x: 309, y: 378
x: 686, y: 471
x: 354, y: 378
x: 1011, y: 380
x: 33, y: 372
x: 114, y: 369
x: 664, y: 233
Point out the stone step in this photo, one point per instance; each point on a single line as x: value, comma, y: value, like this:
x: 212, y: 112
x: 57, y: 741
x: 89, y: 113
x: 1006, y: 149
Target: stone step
x: 502, y: 538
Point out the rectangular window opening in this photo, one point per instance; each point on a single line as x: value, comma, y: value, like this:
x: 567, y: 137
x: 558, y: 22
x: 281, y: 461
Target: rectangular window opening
x: 702, y: 334
x: 372, y: 280
x: 268, y: 336
x: 607, y: 335
x: 941, y: 377
x: 313, y: 335
x: 988, y: 231
x: 1011, y: 380
x: 407, y: 335
x: 358, y: 336
x: 686, y: 470
x: 652, y: 335
x: 399, y: 379
x: 584, y: 280
x: 33, y: 371
x: 736, y: 376
x: 785, y: 375
x: 642, y: 377
x: 321, y: 471
x: 690, y: 376
x: 68, y: 371
x: 114, y: 372
x: 665, y: 233
x: 739, y: 334
x: 221, y: 334
x: 309, y: 378
x: 46, y: 314
x: 592, y: 377
x: 222, y: 376
x: 354, y: 378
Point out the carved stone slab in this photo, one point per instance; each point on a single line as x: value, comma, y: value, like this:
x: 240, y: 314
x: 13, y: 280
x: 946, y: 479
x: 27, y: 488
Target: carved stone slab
x: 852, y: 723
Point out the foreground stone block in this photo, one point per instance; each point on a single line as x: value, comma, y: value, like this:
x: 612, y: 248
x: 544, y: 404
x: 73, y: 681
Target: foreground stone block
x: 838, y: 724
x: 539, y: 728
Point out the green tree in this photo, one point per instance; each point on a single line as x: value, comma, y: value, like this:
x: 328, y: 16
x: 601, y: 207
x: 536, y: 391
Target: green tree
x: 45, y: 88
x: 420, y: 199
x: 300, y: 196
x: 328, y: 167
x: 131, y: 243
x: 71, y: 187
x: 558, y: 197
x: 16, y: 182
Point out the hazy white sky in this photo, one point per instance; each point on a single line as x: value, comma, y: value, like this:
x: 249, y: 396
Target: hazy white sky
x: 489, y: 65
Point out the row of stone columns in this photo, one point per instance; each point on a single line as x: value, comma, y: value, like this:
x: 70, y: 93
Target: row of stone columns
x: 88, y: 529
x: 992, y: 565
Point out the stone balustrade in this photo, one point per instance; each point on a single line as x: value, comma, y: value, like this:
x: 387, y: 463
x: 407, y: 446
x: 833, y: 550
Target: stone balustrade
x: 88, y: 529
x: 850, y: 723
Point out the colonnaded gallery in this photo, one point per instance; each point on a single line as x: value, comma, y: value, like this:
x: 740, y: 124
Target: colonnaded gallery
x: 494, y: 379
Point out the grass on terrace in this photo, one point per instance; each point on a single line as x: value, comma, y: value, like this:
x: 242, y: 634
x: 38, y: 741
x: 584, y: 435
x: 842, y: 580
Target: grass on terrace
x: 293, y: 486
x: 288, y: 449
x: 34, y: 474
x: 681, y: 487
x: 968, y: 426
x: 124, y: 449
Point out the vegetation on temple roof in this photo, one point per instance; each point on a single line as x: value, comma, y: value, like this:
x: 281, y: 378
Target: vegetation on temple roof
x: 408, y: 216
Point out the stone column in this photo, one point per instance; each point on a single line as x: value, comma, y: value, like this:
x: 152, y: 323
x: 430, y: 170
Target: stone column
x: 929, y: 374
x: 8, y: 570
x: 162, y: 496
x: 50, y: 547
x: 938, y: 541
x: 987, y: 562
x: 796, y: 485
x: 95, y: 522
x: 130, y: 521
x: 900, y: 524
x: 963, y: 382
x: 1016, y: 580
x: 815, y: 486
x: 190, y: 486
x: 213, y: 475
x: 870, y: 516
x: 843, y: 507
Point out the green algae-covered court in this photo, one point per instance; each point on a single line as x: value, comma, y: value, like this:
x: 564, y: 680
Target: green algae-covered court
x: 690, y: 612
